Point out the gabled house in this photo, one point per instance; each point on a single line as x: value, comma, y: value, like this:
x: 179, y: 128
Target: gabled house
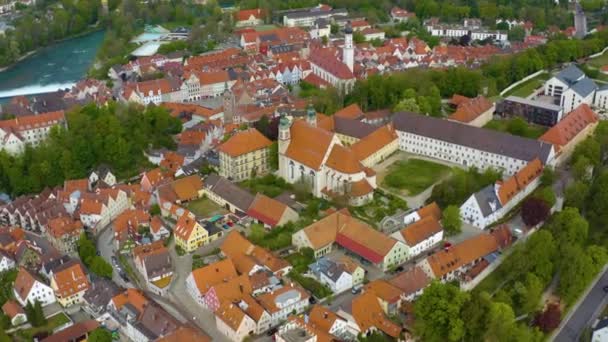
x: 201, y: 280
x: 63, y: 233
x: 337, y: 275
x: 250, y: 17
x: 227, y: 194
x: 411, y: 283
x: 27, y: 288
x: 249, y: 258
x: 154, y: 263
x: 270, y: 212
x: 98, y: 295
x: 101, y: 175
x: 233, y: 322
x: 491, y: 203
x: 15, y: 312
x: 420, y: 236
x: 158, y: 229
x: 7, y: 261
x: 189, y: 234
x: 70, y: 282
x: 283, y: 302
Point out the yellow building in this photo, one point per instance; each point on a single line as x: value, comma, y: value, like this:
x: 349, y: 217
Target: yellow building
x: 189, y: 234
x: 69, y: 284
x: 376, y: 147
x: 244, y: 154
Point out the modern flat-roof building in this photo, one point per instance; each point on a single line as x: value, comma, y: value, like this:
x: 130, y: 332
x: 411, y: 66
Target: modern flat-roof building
x: 538, y: 112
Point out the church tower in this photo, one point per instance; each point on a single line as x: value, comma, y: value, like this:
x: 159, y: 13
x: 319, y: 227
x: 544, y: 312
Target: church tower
x: 311, y: 115
x: 229, y: 103
x: 348, y: 52
x: 284, y: 140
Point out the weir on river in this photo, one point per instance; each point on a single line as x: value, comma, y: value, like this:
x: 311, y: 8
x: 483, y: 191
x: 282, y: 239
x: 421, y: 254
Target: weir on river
x: 54, y: 67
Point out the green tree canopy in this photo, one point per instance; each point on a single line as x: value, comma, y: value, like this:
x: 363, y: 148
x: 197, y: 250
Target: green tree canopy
x: 438, y: 313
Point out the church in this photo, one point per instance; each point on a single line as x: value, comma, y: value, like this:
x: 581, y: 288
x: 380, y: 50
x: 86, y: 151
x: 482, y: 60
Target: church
x: 316, y: 156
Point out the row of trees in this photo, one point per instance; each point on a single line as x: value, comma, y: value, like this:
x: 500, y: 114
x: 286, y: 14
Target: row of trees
x: 115, y: 135
x: 45, y: 24
x: 445, y: 313
x: 88, y: 254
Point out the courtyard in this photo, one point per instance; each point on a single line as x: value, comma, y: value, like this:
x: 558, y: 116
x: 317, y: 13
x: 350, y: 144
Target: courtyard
x: 413, y: 176
x: 204, y: 207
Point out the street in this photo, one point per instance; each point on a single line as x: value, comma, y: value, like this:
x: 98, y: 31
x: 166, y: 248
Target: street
x: 584, y: 315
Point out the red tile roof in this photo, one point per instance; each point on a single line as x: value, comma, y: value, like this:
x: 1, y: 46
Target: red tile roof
x: 267, y: 210
x: 244, y: 15
x: 328, y: 61
x: 570, y: 126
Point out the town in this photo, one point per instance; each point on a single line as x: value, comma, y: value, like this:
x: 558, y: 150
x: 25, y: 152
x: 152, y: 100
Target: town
x: 313, y: 174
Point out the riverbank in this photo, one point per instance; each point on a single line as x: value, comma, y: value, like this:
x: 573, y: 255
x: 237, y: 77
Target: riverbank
x: 96, y: 28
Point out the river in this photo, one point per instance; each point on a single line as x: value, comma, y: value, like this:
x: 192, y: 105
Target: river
x: 51, y: 68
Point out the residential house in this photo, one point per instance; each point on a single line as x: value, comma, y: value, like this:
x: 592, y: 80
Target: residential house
x: 283, y: 302
x: 27, y: 288
x: 153, y: 178
x: 230, y: 291
x: 420, y: 236
x: 154, y: 91
x: 339, y: 275
x: 452, y: 263
x: 250, y: 17
x: 369, y: 316
x: 233, y: 322
x: 299, y: 329
x: 185, y: 333
x: 353, y: 235
x: 154, y: 263
x: 570, y: 131
x: 79, y: 331
x: 6, y: 261
x: 377, y: 146
x: 63, y: 233
x: 600, y: 331
x: 401, y: 219
x: 399, y: 15
x: 98, y: 295
x: 411, y: 283
x: 189, y: 234
x: 476, y: 111
x: 128, y: 229
x: 16, y: 133
x: 158, y: 229
x: 206, y: 84
x: 227, y: 194
x: 389, y: 296
x: 467, y: 145
x: 70, y: 282
x: 201, y: 280
x: 181, y: 190
x: 15, y: 312
x: 270, y: 212
x: 245, y: 155
x: 102, y: 175
x: 327, y: 321
x: 140, y: 318
x: 306, y: 17
x: 491, y: 203
x: 249, y: 258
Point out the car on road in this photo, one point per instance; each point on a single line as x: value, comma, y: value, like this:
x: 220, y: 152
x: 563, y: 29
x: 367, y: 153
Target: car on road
x: 605, y: 288
x: 272, y: 331
x: 356, y: 289
x: 312, y: 300
x: 114, y: 261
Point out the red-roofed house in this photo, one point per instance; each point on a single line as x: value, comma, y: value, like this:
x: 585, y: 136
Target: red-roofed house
x: 251, y: 17
x: 400, y: 15
x: 270, y: 212
x: 206, y: 84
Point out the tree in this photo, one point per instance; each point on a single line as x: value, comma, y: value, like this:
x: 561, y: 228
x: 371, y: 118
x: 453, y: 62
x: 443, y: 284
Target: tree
x: 517, y: 34
x: 100, y: 335
x: 547, y: 195
x: 438, y: 313
x: 576, y: 272
x: 407, y: 105
x: 580, y: 169
x: 86, y: 249
x: 451, y: 220
x: 548, y: 319
x: 569, y: 227
x: 534, y: 211
x: 528, y: 294
x: 358, y: 37
x: 155, y: 210
x: 576, y: 194
x: 34, y: 313
x: 475, y: 313
x: 273, y: 155
x: 548, y: 177
x: 101, y: 267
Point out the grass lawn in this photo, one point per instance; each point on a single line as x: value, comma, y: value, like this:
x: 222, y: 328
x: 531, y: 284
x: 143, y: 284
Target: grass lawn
x: 527, y: 88
x: 414, y: 175
x: 204, y: 207
x: 517, y: 126
x: 599, y: 61
x: 54, y: 322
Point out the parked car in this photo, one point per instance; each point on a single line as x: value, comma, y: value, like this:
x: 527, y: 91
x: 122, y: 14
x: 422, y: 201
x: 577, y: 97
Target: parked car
x: 605, y: 288
x: 272, y: 331
x: 356, y: 289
